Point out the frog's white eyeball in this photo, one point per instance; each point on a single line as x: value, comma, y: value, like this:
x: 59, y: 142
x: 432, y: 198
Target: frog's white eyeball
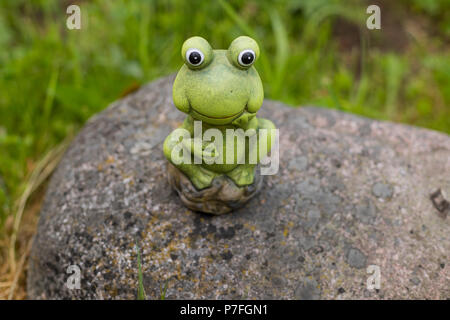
x: 246, y: 58
x: 195, y: 57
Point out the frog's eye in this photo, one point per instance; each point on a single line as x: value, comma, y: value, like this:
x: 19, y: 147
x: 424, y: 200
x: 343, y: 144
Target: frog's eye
x: 246, y: 58
x: 196, y: 53
x: 243, y: 52
x: 195, y: 57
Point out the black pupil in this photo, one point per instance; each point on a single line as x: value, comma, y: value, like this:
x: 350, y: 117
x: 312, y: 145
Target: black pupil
x: 247, y: 58
x: 195, y: 58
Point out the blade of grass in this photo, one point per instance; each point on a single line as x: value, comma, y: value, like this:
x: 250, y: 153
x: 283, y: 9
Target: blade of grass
x: 237, y: 19
x: 282, y: 49
x: 164, y: 290
x: 141, y: 289
x: 394, y: 76
x: 361, y: 87
x: 350, y: 13
x: 40, y: 173
x: 144, y: 36
x: 49, y: 98
x: 50, y: 94
x: 5, y: 284
x: 18, y: 273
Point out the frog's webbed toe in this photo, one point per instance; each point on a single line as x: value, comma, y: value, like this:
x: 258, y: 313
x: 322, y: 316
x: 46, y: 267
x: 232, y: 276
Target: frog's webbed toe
x: 200, y: 177
x: 242, y: 175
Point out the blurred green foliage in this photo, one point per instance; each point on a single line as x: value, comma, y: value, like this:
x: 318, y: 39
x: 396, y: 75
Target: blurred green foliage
x: 52, y: 79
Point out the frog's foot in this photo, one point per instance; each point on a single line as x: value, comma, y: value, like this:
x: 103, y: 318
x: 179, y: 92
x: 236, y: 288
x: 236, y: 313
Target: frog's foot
x: 243, y: 174
x: 201, y: 177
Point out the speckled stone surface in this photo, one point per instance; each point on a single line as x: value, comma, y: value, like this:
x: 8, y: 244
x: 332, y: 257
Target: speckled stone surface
x: 350, y: 193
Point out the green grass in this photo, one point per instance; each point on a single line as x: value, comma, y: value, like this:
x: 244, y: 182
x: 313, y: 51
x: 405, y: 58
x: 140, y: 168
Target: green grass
x: 141, y: 295
x: 164, y: 290
x: 141, y: 290
x: 52, y: 79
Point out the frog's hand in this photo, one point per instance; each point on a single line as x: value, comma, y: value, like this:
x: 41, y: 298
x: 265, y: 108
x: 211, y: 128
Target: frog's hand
x: 265, y: 140
x: 265, y: 144
x: 198, y: 149
x: 244, y: 120
x: 193, y: 148
x: 198, y: 175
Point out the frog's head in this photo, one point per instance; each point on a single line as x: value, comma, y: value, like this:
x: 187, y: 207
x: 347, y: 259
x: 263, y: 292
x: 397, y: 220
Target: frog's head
x: 218, y: 86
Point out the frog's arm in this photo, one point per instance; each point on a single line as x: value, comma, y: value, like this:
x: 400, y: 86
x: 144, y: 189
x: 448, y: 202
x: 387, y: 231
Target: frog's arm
x: 265, y: 144
x: 198, y: 175
x: 173, y: 139
x: 196, y: 149
x: 246, y: 121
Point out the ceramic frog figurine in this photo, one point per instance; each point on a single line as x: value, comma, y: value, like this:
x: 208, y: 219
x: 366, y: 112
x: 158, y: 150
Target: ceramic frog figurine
x: 223, y: 90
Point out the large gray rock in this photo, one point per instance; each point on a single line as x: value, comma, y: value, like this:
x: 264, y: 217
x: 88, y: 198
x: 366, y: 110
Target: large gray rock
x: 350, y: 193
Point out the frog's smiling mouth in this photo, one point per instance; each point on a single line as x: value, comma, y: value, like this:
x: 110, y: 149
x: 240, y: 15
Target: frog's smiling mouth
x: 218, y: 118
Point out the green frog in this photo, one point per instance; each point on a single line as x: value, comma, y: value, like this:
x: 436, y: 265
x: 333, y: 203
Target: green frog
x: 220, y: 90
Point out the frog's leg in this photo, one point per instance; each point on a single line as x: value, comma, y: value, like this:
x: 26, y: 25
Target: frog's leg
x: 199, y: 176
x: 244, y: 174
